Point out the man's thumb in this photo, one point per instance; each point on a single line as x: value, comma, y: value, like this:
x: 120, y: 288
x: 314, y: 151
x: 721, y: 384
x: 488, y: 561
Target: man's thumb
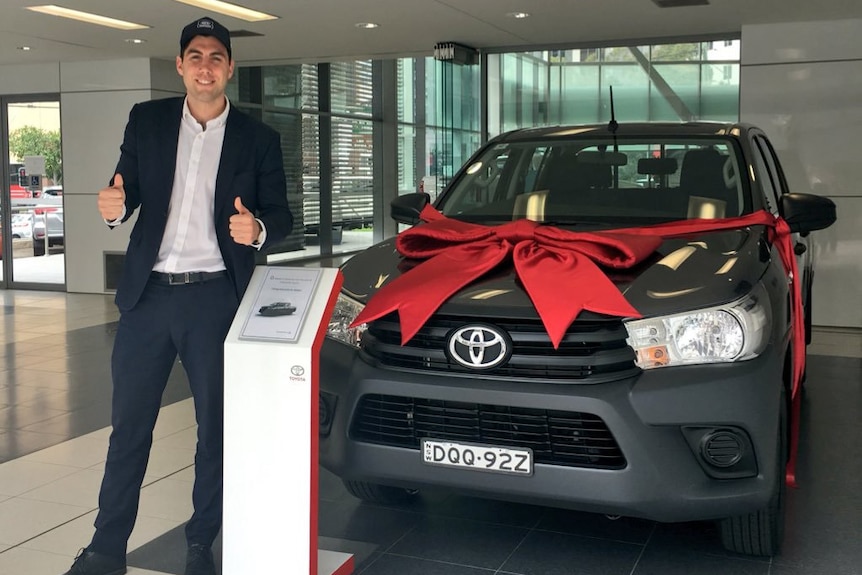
x: 118, y: 180
x: 237, y: 204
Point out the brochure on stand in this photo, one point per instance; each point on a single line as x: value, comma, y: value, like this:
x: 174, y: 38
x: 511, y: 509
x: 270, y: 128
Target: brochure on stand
x: 280, y: 305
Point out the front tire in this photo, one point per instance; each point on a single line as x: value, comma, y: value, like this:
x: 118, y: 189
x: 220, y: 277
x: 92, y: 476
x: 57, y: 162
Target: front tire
x: 808, y: 321
x: 761, y: 532
x: 382, y: 494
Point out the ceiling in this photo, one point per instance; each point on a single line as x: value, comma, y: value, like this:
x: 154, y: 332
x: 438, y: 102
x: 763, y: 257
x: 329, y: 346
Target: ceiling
x: 321, y: 30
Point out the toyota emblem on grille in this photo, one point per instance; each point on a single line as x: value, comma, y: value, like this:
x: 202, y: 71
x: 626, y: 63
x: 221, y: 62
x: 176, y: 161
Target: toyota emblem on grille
x: 479, y: 346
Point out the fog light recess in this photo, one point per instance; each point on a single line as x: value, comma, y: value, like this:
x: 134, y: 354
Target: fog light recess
x: 724, y: 452
x: 722, y: 448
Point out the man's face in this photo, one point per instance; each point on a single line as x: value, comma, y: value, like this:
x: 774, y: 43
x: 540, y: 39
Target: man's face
x: 205, y: 68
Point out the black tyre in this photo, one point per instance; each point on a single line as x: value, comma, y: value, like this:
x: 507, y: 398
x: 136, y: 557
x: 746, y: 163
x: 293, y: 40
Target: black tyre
x: 760, y: 533
x: 376, y: 493
x: 808, y: 320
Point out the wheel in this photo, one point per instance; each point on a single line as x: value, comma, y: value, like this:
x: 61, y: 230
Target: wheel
x: 808, y: 321
x: 376, y: 493
x: 761, y: 532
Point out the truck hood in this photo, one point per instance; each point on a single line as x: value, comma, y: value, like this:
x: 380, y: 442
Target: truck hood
x: 682, y: 274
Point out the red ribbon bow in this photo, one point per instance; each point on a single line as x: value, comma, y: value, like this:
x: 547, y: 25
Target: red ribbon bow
x: 457, y: 253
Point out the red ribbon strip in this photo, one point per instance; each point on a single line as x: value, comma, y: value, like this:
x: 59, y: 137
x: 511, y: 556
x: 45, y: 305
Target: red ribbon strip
x: 457, y: 253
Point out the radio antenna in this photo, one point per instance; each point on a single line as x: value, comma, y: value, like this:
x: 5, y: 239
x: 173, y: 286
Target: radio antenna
x: 612, y: 125
x: 612, y: 128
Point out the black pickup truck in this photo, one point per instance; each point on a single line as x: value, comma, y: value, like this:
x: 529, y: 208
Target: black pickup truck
x: 679, y: 409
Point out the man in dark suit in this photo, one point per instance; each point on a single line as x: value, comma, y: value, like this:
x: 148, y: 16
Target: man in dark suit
x: 207, y: 183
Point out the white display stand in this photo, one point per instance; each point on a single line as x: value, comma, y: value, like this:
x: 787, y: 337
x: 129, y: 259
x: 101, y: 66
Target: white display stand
x: 271, y: 425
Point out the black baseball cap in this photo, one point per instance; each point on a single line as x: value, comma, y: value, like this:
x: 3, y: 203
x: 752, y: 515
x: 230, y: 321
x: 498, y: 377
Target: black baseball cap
x: 205, y: 26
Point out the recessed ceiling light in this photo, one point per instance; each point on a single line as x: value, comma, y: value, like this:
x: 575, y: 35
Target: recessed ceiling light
x: 518, y: 15
x: 86, y: 17
x: 366, y: 25
x: 24, y: 48
x: 135, y: 40
x: 229, y: 9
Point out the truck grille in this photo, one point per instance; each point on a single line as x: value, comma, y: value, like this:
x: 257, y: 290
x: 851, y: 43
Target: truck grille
x: 589, y: 349
x: 564, y: 438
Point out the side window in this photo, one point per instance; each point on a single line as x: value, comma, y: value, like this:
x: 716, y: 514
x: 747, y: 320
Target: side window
x: 774, y: 164
x: 766, y: 175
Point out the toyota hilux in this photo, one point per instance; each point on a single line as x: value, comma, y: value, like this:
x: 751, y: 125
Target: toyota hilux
x: 609, y: 318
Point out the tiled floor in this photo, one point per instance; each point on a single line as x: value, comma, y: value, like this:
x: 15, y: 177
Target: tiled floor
x: 54, y: 409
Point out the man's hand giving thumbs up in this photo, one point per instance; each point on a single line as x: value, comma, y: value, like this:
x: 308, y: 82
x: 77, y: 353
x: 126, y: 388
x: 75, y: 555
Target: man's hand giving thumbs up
x: 244, y: 229
x: 112, y: 200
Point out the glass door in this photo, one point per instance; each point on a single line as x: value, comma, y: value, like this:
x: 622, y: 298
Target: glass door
x: 32, y: 242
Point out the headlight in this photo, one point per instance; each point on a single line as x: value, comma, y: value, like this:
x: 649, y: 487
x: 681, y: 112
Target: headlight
x: 734, y: 332
x: 346, y: 310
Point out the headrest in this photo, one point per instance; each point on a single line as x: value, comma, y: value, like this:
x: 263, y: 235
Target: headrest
x: 705, y: 166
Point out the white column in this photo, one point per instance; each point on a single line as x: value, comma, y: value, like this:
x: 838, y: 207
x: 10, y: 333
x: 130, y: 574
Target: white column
x: 94, y: 107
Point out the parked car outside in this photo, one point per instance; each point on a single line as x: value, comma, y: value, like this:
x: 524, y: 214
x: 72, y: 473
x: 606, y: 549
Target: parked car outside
x: 22, y: 226
x: 21, y: 197
x: 52, y: 195
x: 54, y: 218
x: 667, y: 397
x: 17, y: 192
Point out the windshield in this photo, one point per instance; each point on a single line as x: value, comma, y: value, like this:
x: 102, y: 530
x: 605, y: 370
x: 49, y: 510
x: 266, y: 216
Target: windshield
x: 600, y: 181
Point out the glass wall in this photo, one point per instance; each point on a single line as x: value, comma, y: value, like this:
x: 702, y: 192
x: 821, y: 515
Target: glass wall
x: 322, y: 112
x: 663, y: 82
x: 343, y: 124
x: 439, y: 110
x: 32, y: 228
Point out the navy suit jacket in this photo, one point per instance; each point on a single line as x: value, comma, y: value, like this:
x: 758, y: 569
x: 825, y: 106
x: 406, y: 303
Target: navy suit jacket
x: 251, y: 167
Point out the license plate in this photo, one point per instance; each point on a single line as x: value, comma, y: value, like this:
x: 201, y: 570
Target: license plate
x: 478, y: 457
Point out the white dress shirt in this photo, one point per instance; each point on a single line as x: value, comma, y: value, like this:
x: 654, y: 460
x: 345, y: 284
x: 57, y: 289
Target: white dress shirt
x: 189, y: 243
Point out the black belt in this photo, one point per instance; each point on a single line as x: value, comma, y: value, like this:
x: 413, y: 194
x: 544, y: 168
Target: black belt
x: 182, y: 278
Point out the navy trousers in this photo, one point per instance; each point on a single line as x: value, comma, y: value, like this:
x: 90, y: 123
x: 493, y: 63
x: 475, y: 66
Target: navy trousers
x: 190, y: 321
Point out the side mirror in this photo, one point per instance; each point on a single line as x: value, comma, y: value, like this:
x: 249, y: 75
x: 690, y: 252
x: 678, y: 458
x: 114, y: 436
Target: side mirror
x: 807, y: 212
x: 406, y: 209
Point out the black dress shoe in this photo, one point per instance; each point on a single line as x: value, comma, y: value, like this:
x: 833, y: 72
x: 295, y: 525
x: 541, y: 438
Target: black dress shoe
x: 92, y: 563
x: 199, y: 561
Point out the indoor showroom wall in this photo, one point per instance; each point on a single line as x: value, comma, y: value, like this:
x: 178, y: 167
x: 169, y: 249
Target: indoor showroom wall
x: 95, y: 99
x: 802, y: 83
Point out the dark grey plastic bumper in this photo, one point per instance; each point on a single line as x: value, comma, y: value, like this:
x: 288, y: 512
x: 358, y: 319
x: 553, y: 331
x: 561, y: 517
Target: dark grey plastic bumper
x: 663, y: 479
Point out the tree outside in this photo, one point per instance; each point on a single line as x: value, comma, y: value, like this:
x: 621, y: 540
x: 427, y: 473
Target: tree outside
x: 33, y: 141
x: 676, y: 52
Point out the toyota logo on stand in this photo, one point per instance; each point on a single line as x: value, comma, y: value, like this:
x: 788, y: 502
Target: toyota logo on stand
x: 479, y: 346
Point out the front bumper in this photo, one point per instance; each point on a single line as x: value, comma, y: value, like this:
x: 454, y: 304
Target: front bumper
x: 663, y: 479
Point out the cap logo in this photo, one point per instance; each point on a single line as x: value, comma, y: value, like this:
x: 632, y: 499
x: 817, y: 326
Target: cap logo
x: 205, y: 24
